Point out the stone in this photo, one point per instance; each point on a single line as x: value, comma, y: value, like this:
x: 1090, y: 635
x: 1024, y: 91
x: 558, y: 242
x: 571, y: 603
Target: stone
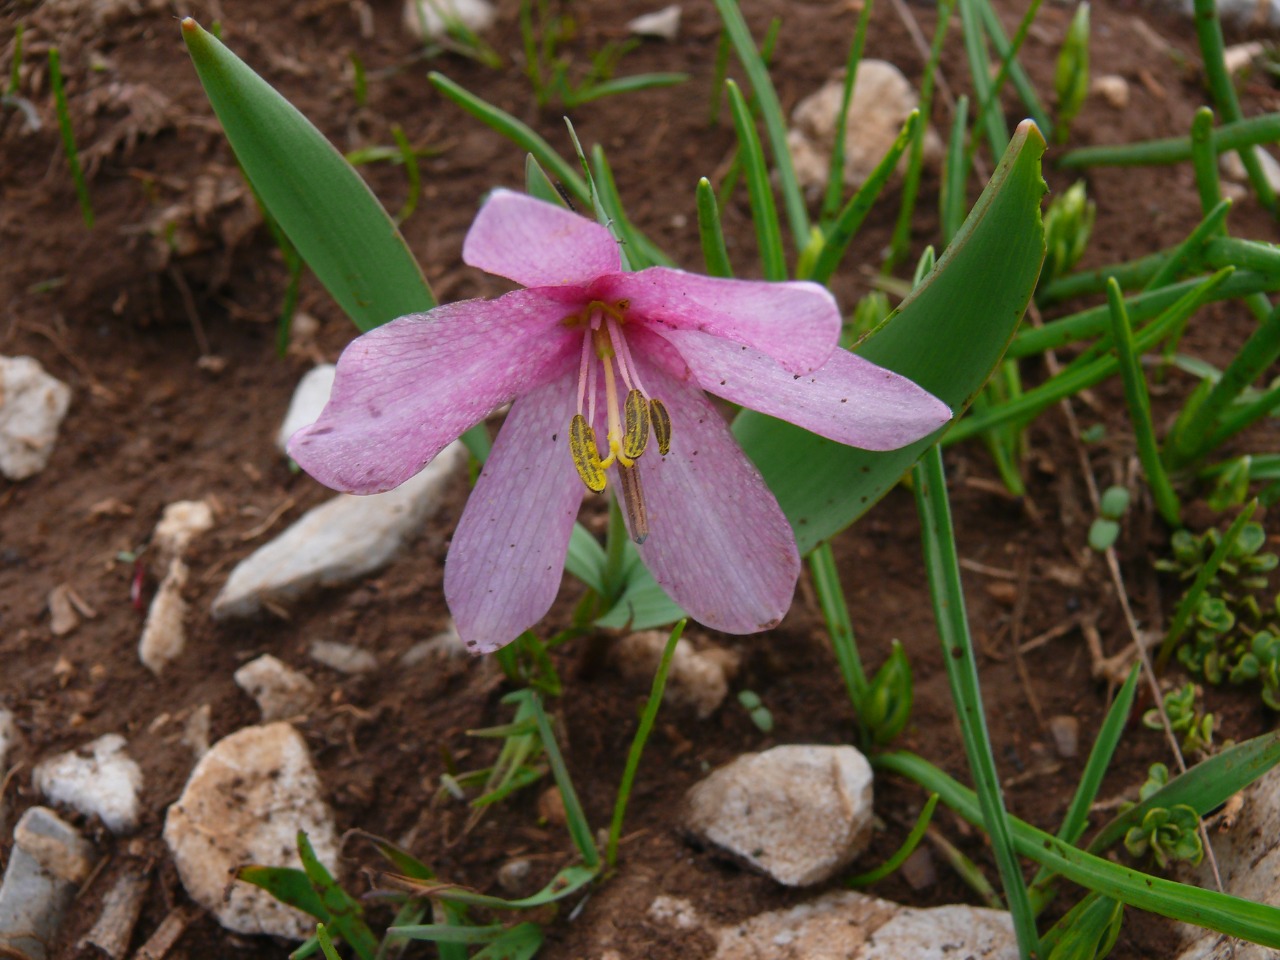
x: 513, y: 876
x: 195, y: 732
x: 279, y: 691
x: 32, y: 405
x: 99, y: 780
x: 798, y: 813
x: 1113, y: 89
x: 696, y: 678
x: 164, y: 633
x: 663, y: 24
x: 181, y: 523
x: 63, y: 617
x: 1242, y: 13
x: 1233, y: 167
x: 244, y: 803
x: 846, y: 925
x: 48, y: 863
x: 1248, y: 853
x: 882, y: 100
x: 445, y: 645
x: 309, y: 398
x: 1240, y: 56
x: 343, y: 657
x: 337, y: 542
x: 431, y: 20
x: 8, y: 737
x: 1065, y: 732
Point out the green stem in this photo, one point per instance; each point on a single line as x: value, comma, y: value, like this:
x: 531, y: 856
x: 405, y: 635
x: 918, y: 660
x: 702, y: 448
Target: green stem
x: 1240, y: 135
x: 835, y: 168
x: 826, y: 584
x: 763, y: 211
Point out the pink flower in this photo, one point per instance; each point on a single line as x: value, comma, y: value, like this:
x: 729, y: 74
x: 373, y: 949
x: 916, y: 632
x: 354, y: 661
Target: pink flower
x: 605, y: 371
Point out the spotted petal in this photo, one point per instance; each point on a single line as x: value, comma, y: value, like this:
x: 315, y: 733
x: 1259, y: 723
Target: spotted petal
x: 507, y: 556
x: 718, y: 542
x: 538, y: 244
x: 797, y: 324
x: 406, y: 389
x: 847, y: 399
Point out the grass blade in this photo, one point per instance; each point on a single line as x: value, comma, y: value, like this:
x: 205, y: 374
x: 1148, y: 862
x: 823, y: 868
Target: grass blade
x: 710, y: 231
x: 763, y: 212
x: 1239, y: 135
x: 579, y: 829
x: 1139, y: 403
x: 835, y: 167
x: 900, y: 855
x: 826, y: 584
x: 943, y: 570
x: 975, y: 47
x: 68, y: 135
x: 952, y: 201
x: 637, y: 744
x: 771, y: 112
x: 1008, y: 54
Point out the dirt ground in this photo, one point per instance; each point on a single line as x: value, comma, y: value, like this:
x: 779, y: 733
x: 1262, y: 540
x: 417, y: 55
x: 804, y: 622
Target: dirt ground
x: 178, y: 270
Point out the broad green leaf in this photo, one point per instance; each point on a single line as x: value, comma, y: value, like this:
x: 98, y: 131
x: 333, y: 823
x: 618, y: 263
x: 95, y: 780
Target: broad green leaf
x: 324, y: 207
x: 947, y: 336
x: 288, y: 885
x: 343, y: 913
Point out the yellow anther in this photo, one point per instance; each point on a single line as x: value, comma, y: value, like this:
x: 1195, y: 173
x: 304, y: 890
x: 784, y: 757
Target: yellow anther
x: 636, y: 418
x: 661, y: 421
x: 586, y: 456
x: 633, y: 501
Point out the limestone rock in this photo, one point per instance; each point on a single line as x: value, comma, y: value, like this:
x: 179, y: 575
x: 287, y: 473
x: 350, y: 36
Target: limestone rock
x: 845, y: 925
x: 1065, y: 731
x: 164, y: 634
x: 8, y: 737
x: 430, y: 20
x: 181, y: 523
x: 1248, y: 855
x: 1233, y: 167
x: 697, y: 678
x: 882, y: 100
x: 1112, y: 88
x: 309, y: 398
x: 798, y: 813
x: 343, y: 657
x: 663, y: 24
x: 100, y: 780
x: 32, y: 405
x: 337, y: 542
x: 279, y: 691
x: 48, y: 863
x: 244, y: 803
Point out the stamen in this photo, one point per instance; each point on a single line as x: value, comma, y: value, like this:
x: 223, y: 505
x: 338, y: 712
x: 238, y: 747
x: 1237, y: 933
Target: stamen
x: 661, y: 421
x: 631, y: 373
x: 586, y: 456
x: 583, y: 366
x: 636, y: 414
x: 633, y: 501
x: 619, y: 345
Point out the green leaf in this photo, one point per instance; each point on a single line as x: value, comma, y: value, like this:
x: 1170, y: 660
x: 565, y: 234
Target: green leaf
x: 342, y: 912
x: 288, y: 885
x: 519, y: 943
x: 324, y: 207
x: 947, y: 336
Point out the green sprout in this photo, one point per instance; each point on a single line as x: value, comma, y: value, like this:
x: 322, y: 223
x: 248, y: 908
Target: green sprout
x: 1071, y: 78
x: 1168, y: 834
x: 1068, y: 225
x: 758, y: 712
x: 1195, y: 726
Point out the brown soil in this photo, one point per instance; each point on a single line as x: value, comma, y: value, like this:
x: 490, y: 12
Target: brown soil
x: 176, y: 267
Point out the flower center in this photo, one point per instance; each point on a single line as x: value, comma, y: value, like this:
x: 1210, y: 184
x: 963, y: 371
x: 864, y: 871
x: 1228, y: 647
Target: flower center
x: 630, y: 418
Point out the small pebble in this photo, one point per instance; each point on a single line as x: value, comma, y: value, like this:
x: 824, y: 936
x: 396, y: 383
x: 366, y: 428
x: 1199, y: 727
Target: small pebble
x: 1065, y: 731
x: 343, y: 657
x: 513, y: 875
x: 1113, y: 89
x: 99, y: 780
x: 919, y: 869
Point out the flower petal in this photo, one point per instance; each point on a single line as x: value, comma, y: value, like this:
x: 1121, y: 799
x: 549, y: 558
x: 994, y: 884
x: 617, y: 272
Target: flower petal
x: 797, y: 324
x: 538, y: 244
x: 507, y: 557
x: 406, y: 389
x: 718, y: 542
x: 847, y: 399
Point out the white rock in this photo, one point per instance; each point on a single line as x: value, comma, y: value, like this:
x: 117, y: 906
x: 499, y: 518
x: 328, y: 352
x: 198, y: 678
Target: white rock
x: 1238, y: 56
x: 1249, y: 859
x: 882, y: 100
x: 446, y: 645
x: 1233, y: 167
x: 343, y: 657
x: 431, y: 19
x: 195, y: 732
x: 1242, y: 12
x: 1113, y: 88
x: 32, y: 405
x: 1064, y: 729
x: 99, y: 780
x: 309, y: 398
x: 181, y: 523
x: 279, y: 691
x: 845, y: 925
x: 164, y: 634
x: 337, y: 542
x: 664, y: 23
x: 8, y: 737
x: 798, y: 813
x: 63, y: 617
x: 697, y: 678
x: 244, y: 803
x: 48, y: 863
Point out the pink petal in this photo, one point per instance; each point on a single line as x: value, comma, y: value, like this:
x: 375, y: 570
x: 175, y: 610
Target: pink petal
x: 797, y: 324
x: 847, y: 399
x: 507, y: 556
x: 718, y: 542
x: 406, y: 389
x: 538, y: 244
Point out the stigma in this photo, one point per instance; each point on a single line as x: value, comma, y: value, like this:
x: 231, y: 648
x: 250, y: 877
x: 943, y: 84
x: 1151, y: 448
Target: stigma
x: 607, y: 375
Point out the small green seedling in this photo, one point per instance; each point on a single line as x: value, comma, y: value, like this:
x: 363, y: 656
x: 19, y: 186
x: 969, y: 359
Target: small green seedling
x: 758, y: 712
x: 1068, y: 225
x: 1186, y: 719
x: 1167, y: 834
x: 1071, y: 78
x: 1106, y: 528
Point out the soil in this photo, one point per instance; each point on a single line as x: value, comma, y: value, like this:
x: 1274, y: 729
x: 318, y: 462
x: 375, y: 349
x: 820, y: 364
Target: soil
x: 162, y: 318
